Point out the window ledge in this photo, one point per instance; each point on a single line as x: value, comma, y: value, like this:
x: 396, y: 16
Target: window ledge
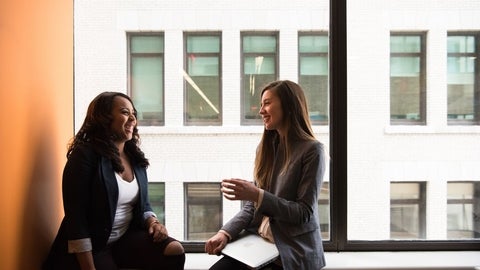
x: 438, y: 260
x: 432, y: 130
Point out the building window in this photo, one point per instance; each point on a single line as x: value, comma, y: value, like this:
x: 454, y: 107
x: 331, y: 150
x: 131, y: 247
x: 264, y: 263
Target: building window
x: 146, y: 77
x: 203, y: 99
x: 313, y: 74
x: 463, y: 210
x: 463, y: 78
x: 407, y: 79
x: 324, y: 210
x: 259, y: 67
x: 156, y: 192
x: 407, y: 210
x: 203, y: 210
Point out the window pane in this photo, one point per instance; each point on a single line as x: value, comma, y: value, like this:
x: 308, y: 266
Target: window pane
x: 147, y: 44
x: 146, y: 78
x: 409, y: 69
x: 463, y: 210
x: 204, y: 210
x: 156, y: 193
x: 203, y: 44
x: 463, y: 103
x: 406, y: 77
x: 147, y: 88
x: 324, y: 210
x: 203, y: 86
x: 259, y: 68
x: 407, y: 220
x: 259, y: 44
x: 313, y: 75
x: 405, y: 44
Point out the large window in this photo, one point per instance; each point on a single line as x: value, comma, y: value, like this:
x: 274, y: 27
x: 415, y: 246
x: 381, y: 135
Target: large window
x: 313, y: 73
x: 259, y: 67
x: 407, y: 79
x: 407, y: 210
x: 395, y: 109
x: 463, y: 212
x: 203, y: 99
x: 203, y: 211
x: 146, y: 77
x: 463, y: 78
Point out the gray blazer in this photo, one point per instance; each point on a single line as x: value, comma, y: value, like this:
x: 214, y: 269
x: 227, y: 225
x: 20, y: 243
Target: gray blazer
x: 291, y: 203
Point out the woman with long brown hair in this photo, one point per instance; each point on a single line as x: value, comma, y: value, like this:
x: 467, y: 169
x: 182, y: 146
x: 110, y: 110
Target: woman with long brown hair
x: 282, y: 203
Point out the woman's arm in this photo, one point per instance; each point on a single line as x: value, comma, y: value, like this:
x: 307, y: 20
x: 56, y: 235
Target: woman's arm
x: 85, y: 260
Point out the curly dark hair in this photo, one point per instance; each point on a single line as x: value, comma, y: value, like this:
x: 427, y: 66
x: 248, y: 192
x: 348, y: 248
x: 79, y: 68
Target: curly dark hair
x: 96, y: 131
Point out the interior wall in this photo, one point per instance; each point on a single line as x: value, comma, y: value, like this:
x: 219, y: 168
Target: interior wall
x: 36, y: 122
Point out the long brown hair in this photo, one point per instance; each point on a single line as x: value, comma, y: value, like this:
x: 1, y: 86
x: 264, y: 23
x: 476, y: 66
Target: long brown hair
x: 96, y: 131
x: 297, y: 127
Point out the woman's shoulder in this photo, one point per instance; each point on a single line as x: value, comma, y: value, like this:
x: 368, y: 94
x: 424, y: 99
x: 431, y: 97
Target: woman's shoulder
x: 83, y: 150
x: 312, y: 143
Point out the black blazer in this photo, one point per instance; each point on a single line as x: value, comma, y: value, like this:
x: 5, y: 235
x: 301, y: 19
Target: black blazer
x: 90, y: 195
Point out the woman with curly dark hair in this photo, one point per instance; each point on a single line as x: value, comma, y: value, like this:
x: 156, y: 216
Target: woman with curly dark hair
x: 109, y: 223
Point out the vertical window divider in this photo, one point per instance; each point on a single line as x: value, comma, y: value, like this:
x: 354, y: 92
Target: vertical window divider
x: 338, y: 124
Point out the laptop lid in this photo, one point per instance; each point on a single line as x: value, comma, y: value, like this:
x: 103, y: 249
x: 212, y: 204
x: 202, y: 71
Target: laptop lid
x: 252, y: 250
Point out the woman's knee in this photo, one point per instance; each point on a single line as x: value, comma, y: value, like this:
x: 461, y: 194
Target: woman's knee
x: 174, y: 248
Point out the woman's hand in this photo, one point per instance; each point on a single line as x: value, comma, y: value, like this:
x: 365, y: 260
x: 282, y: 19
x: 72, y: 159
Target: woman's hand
x: 238, y: 189
x: 157, y: 231
x: 216, y: 243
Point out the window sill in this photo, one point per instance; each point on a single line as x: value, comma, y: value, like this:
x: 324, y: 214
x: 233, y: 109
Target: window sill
x: 432, y: 130
x: 439, y: 260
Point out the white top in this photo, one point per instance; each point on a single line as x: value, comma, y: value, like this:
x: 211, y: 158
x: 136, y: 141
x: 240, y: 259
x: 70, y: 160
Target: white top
x: 127, y: 197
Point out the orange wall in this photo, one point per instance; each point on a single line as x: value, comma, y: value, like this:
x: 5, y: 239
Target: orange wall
x: 36, y: 122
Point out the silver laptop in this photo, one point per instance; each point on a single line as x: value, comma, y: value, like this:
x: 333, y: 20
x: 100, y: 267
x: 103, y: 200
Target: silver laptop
x: 252, y: 250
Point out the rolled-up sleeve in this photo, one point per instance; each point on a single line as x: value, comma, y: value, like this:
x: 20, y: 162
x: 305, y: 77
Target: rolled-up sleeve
x: 79, y: 245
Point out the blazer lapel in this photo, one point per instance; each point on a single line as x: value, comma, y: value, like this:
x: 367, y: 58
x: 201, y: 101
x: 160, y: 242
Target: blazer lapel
x: 111, y: 186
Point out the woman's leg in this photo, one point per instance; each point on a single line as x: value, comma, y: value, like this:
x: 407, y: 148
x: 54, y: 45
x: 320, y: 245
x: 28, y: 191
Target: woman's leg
x: 136, y: 249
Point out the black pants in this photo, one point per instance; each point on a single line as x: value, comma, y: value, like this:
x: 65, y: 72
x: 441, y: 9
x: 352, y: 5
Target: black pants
x: 135, y: 249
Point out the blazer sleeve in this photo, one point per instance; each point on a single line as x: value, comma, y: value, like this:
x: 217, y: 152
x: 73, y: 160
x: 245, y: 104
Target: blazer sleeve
x: 78, y: 175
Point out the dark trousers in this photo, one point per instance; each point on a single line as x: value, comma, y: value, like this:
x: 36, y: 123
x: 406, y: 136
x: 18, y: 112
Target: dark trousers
x: 135, y: 249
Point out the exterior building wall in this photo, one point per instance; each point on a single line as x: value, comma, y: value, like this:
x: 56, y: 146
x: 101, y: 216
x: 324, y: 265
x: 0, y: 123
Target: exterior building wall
x: 378, y: 152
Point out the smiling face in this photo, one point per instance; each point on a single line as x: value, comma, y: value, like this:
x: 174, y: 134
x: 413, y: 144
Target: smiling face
x: 123, y: 119
x: 271, y: 111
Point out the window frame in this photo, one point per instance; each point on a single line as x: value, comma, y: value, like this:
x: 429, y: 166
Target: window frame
x: 476, y: 83
x: 473, y: 202
x: 423, y: 78
x: 186, y: 34
x: 186, y: 205
x: 322, y: 122
x: 338, y: 158
x: 153, y: 122
x: 421, y: 202
x: 276, y: 34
